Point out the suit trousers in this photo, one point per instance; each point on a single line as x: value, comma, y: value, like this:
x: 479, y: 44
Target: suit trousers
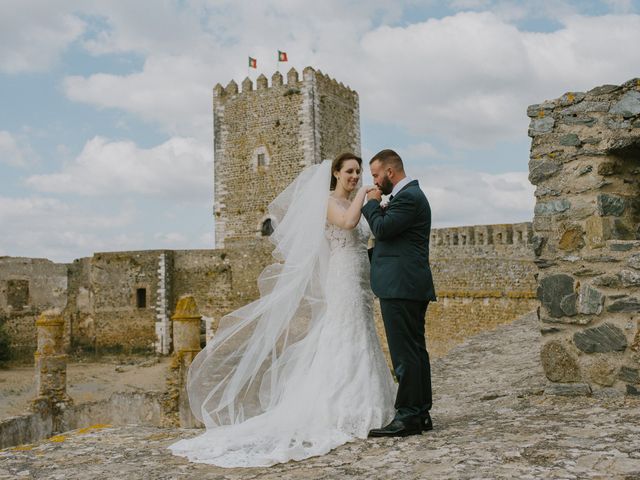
x: 404, y: 323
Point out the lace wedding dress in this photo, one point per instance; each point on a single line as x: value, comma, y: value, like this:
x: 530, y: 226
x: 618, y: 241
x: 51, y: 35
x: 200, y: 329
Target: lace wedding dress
x: 324, y: 381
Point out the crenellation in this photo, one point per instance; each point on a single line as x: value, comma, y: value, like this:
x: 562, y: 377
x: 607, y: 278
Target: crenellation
x: 292, y: 76
x: 247, y: 85
x: 276, y: 79
x: 261, y: 82
x: 231, y: 88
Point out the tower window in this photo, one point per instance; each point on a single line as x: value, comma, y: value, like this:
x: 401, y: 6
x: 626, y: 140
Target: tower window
x: 267, y: 228
x: 141, y: 298
x: 261, y: 160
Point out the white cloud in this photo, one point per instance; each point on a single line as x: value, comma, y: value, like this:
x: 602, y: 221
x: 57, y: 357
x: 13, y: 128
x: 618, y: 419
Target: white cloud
x: 15, y: 151
x: 179, y: 168
x: 419, y: 151
x: 461, y: 197
x: 468, y: 78
x: 50, y: 228
x: 33, y: 34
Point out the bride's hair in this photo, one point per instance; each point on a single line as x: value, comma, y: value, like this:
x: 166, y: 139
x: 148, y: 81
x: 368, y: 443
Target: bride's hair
x: 336, y: 165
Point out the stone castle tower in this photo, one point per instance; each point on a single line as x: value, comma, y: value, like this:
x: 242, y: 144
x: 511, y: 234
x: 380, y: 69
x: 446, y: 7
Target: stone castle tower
x: 264, y: 137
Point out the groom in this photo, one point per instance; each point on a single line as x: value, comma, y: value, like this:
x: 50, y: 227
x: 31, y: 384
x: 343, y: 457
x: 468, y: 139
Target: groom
x: 401, y: 279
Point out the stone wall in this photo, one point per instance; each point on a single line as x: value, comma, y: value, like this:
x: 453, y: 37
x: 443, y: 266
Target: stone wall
x: 264, y: 137
x: 584, y: 161
x: 484, y: 277
x: 29, y: 286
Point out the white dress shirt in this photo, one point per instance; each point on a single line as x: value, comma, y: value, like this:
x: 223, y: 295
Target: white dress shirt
x: 400, y: 185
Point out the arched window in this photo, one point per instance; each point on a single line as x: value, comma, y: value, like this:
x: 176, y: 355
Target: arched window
x: 267, y: 228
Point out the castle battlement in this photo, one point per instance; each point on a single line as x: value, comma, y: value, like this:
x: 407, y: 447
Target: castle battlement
x: 292, y: 86
x: 518, y: 234
x: 264, y: 135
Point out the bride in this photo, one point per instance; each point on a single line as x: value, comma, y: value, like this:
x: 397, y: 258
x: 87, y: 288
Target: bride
x: 299, y: 371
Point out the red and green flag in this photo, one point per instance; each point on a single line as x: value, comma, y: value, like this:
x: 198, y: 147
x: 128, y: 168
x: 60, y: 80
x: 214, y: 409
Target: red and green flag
x: 253, y: 63
x: 282, y: 56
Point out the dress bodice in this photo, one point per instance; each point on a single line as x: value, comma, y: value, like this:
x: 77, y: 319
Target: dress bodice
x: 356, y: 238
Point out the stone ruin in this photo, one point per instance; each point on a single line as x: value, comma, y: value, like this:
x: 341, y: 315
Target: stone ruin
x: 585, y: 163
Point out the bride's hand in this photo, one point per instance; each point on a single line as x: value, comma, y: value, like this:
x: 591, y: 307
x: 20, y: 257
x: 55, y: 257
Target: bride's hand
x: 368, y: 188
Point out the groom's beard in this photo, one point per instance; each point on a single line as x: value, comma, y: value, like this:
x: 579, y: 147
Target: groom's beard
x: 385, y: 185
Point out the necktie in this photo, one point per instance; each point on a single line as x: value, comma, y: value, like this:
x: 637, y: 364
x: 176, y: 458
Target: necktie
x: 390, y: 197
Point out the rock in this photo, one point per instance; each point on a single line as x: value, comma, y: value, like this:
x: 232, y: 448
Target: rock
x: 537, y: 242
x: 631, y: 390
x: 578, y: 120
x: 590, y: 301
x: 602, y: 339
x: 602, y: 371
x: 610, y: 205
x: 634, y: 260
x: 571, y: 98
x: 587, y: 272
x: 629, y: 278
x: 572, y: 239
x: 542, y: 169
x: 568, y: 305
x: 570, y: 140
x: 586, y: 106
x: 568, y: 389
x: 628, y: 105
x: 603, y: 90
x: 629, y: 375
x: 598, y: 231
x: 584, y: 170
x: 538, y: 126
x: 552, y: 290
x: 608, y: 168
x: 540, y: 109
x: 558, y: 364
x: 552, y: 207
x: 629, y: 304
x: 621, y: 247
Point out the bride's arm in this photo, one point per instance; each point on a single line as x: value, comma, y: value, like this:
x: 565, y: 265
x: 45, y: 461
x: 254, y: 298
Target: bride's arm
x: 346, y: 218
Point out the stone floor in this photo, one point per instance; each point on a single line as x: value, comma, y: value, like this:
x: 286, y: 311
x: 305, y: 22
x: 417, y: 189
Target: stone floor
x: 491, y: 421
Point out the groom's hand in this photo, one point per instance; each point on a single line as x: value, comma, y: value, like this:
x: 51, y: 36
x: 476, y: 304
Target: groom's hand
x: 374, y: 194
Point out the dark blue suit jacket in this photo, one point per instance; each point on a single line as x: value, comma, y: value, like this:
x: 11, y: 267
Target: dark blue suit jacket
x: 400, y: 259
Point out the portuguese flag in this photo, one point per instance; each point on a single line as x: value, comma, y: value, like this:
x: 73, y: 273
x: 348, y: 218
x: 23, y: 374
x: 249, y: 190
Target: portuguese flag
x: 282, y: 56
x: 253, y: 63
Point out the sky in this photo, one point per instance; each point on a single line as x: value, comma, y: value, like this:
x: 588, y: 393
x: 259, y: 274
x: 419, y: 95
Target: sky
x: 106, y: 119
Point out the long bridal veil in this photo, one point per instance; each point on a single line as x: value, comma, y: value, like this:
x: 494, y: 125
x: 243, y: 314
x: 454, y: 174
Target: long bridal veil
x: 244, y: 369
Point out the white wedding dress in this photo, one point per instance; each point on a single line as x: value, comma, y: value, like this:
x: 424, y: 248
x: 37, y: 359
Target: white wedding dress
x: 333, y: 384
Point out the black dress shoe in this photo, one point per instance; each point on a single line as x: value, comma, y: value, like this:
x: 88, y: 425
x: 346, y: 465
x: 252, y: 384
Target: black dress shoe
x: 427, y: 424
x: 399, y: 428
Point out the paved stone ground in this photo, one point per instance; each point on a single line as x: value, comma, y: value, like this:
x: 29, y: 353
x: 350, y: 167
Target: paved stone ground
x: 491, y: 421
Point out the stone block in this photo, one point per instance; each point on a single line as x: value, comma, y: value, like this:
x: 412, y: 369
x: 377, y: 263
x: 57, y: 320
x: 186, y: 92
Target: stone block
x: 572, y: 239
x: 558, y: 364
x: 634, y: 260
x: 601, y: 370
x: 602, y: 339
x: 628, y: 105
x: 629, y: 278
x: 628, y: 304
x: 597, y: 231
x: 570, y: 140
x: 629, y: 375
x: 538, y: 126
x: 556, y: 294
x: 540, y: 169
x: 568, y: 389
x: 590, y: 301
x: 610, y: 205
x: 552, y: 207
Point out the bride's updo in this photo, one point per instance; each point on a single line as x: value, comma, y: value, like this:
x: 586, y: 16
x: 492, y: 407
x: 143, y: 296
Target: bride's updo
x: 336, y: 165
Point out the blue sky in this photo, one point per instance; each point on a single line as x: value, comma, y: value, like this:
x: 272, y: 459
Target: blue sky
x: 105, y: 125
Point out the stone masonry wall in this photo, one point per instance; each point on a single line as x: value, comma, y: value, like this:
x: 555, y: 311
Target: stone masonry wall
x: 264, y: 137
x: 484, y: 277
x: 585, y: 154
x: 28, y: 286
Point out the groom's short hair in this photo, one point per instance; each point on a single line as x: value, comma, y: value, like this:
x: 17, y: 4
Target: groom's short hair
x: 389, y: 158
